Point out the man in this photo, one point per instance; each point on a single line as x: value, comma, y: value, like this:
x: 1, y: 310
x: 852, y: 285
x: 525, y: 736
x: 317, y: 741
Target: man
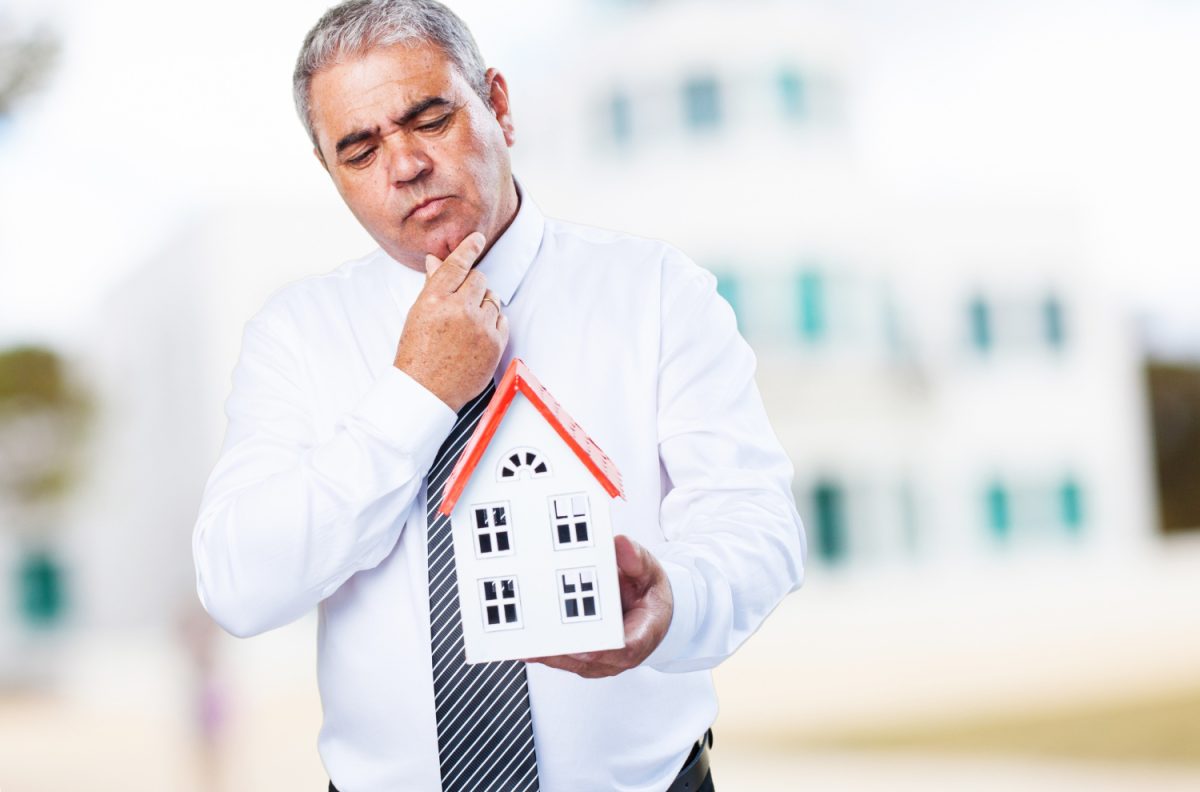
x: 348, y: 384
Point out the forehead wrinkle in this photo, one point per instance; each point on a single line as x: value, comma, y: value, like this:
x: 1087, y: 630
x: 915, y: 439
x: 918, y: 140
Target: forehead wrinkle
x: 380, y: 98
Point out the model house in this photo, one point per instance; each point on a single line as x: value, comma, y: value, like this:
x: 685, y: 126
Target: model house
x: 528, y: 501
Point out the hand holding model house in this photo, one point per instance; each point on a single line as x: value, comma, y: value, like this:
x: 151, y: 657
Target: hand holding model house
x: 647, y: 605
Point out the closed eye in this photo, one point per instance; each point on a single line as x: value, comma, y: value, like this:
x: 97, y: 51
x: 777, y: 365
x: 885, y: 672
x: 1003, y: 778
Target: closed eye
x: 361, y: 159
x: 435, y: 125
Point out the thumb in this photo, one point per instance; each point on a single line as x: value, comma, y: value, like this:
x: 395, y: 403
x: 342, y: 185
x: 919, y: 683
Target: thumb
x: 432, y: 263
x: 631, y: 559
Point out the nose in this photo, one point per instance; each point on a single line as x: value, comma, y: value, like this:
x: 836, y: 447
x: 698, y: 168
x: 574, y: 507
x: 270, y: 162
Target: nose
x: 407, y: 161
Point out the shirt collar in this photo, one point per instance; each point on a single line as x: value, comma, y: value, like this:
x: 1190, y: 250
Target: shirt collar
x: 509, y: 258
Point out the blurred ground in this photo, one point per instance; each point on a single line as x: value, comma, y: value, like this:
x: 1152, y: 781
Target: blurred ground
x: 1163, y: 730
x: 47, y: 745
x: 1110, y: 703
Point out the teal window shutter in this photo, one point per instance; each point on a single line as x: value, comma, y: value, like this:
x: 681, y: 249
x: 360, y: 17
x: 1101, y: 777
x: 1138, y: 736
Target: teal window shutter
x: 1052, y: 322
x: 1070, y: 502
x: 830, y: 514
x: 810, y: 296
x: 979, y: 316
x: 620, y: 111
x: 40, y: 587
x: 702, y: 103
x: 792, y: 94
x: 999, y: 510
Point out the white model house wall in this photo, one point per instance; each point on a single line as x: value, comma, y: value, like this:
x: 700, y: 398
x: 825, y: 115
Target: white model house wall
x: 534, y: 560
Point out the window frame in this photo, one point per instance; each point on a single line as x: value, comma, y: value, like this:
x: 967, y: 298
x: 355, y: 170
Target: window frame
x: 577, y: 595
x: 572, y: 521
x: 501, y: 602
x: 491, y: 531
x: 506, y: 463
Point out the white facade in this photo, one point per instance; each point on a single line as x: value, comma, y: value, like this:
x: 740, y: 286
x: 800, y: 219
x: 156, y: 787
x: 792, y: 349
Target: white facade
x: 533, y: 546
x: 951, y: 373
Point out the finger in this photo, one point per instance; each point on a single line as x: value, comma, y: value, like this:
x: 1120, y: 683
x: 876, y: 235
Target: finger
x: 457, y: 266
x: 561, y: 662
x: 570, y: 664
x: 489, y: 298
x: 473, y: 287
x: 502, y: 325
x: 432, y: 262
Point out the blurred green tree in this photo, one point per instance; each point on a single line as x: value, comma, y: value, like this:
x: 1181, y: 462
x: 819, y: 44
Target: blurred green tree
x: 43, y: 421
x: 41, y: 418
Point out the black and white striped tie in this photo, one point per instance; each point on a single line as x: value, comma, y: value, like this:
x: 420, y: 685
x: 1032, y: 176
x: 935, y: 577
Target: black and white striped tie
x: 485, y: 731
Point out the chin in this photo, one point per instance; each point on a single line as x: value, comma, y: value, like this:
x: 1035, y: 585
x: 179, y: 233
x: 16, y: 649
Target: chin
x: 446, y: 238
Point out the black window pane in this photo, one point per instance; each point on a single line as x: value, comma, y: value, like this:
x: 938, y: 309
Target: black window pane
x: 516, y: 460
x: 510, y: 613
x: 541, y: 468
x: 528, y: 458
x: 581, y: 532
x: 589, y: 606
x: 489, y: 590
x: 493, y: 614
x: 485, y: 543
x: 506, y: 473
x: 480, y: 518
x: 502, y: 541
x: 572, y: 609
x: 499, y: 516
x: 586, y: 585
x: 568, y: 587
x: 564, y: 533
x: 506, y: 588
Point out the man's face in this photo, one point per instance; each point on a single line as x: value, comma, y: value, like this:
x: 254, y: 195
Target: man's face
x: 415, y: 153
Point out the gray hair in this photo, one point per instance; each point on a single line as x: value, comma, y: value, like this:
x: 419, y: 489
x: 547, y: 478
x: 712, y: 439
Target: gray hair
x: 352, y: 28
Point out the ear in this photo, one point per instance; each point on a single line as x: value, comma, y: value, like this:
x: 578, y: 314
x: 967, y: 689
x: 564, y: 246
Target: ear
x: 498, y: 93
x: 320, y: 159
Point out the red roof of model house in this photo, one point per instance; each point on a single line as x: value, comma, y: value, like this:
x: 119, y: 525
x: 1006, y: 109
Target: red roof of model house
x: 518, y: 377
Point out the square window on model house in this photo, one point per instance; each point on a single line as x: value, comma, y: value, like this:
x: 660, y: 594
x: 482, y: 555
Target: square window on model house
x: 501, y: 605
x: 493, y: 536
x: 570, y: 521
x: 578, y: 598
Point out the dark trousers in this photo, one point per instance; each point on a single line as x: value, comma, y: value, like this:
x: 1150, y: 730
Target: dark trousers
x: 707, y: 786
x: 683, y: 782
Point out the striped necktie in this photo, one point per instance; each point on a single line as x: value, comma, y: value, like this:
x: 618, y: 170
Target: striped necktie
x: 485, y: 731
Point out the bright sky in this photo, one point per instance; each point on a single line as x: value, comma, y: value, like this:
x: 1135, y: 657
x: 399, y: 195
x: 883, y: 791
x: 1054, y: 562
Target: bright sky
x: 158, y: 110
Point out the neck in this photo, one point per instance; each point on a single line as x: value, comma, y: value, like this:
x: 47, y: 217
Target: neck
x: 510, y: 203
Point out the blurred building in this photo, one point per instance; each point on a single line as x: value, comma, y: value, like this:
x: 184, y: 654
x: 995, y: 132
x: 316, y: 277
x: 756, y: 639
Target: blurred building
x: 957, y: 387
x: 950, y: 377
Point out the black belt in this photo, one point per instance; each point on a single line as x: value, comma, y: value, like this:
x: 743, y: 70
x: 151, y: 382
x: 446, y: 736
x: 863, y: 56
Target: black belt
x: 695, y: 769
x: 693, y: 774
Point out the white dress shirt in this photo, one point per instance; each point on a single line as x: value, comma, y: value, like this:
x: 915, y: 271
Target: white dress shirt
x: 317, y: 499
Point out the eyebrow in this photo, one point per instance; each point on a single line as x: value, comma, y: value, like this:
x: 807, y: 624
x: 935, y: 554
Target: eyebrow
x: 411, y: 113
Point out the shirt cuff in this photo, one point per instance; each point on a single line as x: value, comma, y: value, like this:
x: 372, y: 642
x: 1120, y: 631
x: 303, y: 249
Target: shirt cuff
x: 407, y: 416
x: 685, y: 611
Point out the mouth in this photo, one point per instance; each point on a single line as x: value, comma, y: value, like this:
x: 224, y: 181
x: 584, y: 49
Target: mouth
x: 427, y: 209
